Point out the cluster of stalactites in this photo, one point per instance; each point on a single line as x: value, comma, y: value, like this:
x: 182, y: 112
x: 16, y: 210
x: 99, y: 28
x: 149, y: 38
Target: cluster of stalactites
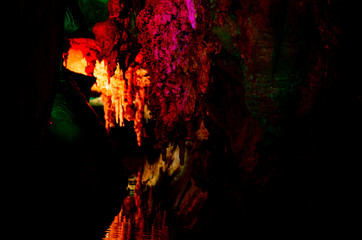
x: 123, y: 98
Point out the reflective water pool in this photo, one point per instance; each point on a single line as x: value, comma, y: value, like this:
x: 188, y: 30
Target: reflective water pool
x: 135, y: 226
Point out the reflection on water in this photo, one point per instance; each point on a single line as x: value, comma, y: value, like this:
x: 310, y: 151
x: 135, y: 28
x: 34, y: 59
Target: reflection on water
x: 133, y: 223
x: 140, y: 217
x: 135, y: 226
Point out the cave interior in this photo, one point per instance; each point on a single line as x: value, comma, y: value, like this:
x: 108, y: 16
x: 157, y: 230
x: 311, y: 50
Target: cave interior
x: 182, y: 119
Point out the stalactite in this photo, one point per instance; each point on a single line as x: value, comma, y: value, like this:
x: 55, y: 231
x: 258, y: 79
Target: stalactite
x: 119, y: 96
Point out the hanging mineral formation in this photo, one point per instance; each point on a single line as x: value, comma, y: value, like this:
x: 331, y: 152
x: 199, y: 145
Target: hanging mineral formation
x: 122, y: 99
x: 177, y: 41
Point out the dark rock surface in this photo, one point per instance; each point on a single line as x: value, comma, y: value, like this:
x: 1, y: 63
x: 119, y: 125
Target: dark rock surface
x: 88, y: 164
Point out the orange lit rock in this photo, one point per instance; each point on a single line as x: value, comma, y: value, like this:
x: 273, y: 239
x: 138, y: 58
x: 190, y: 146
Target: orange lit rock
x: 76, y: 62
x: 123, y: 99
x: 82, y: 56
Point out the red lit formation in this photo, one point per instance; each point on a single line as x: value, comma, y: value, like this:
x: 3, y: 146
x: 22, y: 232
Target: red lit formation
x: 120, y: 96
x: 176, y: 49
x: 177, y: 42
x: 123, y: 87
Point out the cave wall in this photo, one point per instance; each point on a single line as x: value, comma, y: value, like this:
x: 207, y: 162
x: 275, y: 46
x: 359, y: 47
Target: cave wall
x: 39, y: 29
x: 280, y: 115
x: 54, y: 173
x: 287, y: 111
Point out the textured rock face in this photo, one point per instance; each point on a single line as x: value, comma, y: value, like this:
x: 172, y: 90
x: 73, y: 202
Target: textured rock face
x: 277, y: 69
x: 284, y: 52
x: 177, y: 50
x: 283, y: 45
